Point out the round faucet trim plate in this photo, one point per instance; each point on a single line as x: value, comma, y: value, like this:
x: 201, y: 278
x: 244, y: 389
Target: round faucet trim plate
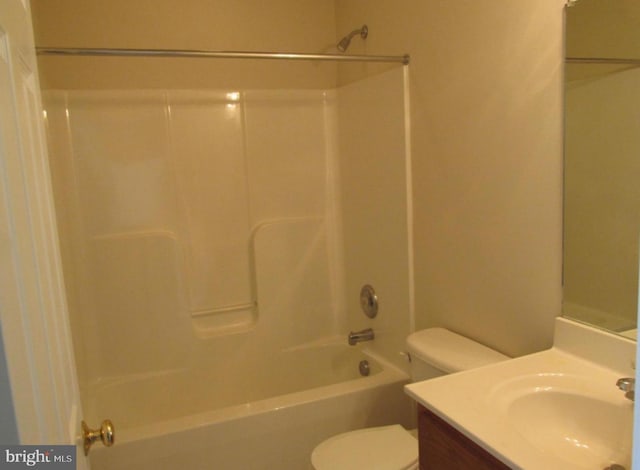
x: 369, y: 301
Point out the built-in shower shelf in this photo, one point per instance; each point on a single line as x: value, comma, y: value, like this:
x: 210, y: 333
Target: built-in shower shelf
x: 225, y: 309
x: 225, y: 320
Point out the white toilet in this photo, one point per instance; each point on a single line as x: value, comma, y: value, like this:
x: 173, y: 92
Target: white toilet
x: 434, y: 352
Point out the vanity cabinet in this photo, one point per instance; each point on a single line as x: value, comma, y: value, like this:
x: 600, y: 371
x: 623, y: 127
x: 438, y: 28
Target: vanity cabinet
x: 444, y: 448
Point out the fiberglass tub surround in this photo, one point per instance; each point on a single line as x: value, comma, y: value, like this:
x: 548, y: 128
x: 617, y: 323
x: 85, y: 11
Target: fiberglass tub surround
x: 215, y: 243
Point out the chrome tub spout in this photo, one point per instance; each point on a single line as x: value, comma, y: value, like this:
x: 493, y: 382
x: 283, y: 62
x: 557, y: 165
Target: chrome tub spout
x: 356, y: 337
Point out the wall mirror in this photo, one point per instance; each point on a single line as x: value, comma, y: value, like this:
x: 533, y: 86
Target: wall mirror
x: 602, y: 163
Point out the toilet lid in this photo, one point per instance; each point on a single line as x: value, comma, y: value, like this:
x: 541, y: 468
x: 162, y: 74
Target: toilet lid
x: 381, y: 448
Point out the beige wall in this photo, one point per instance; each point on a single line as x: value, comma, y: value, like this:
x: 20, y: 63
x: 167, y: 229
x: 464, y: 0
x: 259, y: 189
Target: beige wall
x: 286, y: 25
x: 486, y: 105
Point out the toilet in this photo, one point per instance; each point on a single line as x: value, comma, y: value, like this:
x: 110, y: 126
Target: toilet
x: 434, y: 352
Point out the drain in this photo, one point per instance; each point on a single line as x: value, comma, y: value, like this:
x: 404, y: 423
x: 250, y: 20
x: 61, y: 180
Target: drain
x: 364, y: 369
x: 615, y: 466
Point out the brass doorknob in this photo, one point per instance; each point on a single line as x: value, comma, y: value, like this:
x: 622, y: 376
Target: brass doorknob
x: 106, y: 434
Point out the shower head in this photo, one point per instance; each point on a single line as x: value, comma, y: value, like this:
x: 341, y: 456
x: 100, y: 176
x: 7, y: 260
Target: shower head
x: 345, y: 41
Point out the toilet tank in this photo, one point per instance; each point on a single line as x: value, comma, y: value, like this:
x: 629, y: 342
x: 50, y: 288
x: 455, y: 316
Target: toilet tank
x: 438, y: 351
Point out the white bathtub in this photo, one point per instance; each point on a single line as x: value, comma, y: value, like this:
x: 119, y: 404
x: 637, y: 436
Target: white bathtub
x: 270, y: 418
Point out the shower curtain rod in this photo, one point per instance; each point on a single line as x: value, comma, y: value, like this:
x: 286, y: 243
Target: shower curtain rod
x: 601, y: 60
x: 84, y: 51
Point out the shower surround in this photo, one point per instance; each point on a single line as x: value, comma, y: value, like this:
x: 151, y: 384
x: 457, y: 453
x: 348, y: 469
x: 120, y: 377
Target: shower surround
x: 214, y: 230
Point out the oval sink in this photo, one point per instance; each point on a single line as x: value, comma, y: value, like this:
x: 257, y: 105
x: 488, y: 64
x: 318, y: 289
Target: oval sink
x: 559, y: 409
x: 586, y: 426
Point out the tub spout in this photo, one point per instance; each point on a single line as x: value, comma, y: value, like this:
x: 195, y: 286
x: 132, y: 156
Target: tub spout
x: 356, y: 337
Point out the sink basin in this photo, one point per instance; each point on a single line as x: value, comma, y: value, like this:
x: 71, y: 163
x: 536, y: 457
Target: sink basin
x: 575, y: 419
x: 558, y: 409
x: 548, y: 410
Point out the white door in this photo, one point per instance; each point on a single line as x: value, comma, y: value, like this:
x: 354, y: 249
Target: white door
x: 33, y: 310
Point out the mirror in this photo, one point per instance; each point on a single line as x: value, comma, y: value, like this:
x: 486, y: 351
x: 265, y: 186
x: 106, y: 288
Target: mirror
x: 602, y: 163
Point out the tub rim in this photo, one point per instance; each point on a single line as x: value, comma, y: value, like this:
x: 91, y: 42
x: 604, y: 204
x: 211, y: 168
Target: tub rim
x: 388, y: 375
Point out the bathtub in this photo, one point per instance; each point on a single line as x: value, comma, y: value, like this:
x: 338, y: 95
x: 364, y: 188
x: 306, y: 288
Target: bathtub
x: 269, y: 419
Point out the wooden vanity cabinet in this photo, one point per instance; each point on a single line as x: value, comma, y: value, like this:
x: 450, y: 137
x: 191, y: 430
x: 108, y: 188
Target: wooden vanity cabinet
x: 444, y: 448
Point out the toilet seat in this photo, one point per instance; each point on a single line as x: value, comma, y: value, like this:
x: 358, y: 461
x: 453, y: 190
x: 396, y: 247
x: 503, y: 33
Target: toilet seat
x: 380, y: 448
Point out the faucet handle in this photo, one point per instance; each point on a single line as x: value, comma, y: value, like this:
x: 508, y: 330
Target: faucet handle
x: 628, y: 385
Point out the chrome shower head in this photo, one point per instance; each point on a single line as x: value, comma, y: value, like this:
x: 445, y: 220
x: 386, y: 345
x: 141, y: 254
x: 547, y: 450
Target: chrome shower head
x: 345, y: 41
